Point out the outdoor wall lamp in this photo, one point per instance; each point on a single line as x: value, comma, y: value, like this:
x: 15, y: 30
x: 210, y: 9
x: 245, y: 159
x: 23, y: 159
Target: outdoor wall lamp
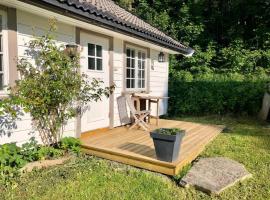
x: 72, y: 50
x: 161, y: 57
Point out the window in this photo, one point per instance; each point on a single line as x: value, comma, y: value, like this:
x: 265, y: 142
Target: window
x: 135, y: 69
x: 95, y: 57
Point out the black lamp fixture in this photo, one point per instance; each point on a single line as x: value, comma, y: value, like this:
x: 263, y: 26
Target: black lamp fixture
x: 72, y: 50
x: 161, y: 57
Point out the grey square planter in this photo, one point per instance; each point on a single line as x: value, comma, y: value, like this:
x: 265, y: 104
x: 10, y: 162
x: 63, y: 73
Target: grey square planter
x: 167, y: 147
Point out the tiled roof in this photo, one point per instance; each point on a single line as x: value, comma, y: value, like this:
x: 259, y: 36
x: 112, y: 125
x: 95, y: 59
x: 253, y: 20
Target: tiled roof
x: 109, y: 13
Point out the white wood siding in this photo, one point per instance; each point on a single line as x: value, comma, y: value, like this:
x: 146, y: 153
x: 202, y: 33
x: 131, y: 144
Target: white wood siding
x: 29, y: 25
x: 118, y: 74
x: 158, y: 82
x: 159, y: 73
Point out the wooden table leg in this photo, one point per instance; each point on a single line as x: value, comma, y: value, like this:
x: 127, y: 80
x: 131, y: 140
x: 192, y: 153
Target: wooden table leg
x: 149, y: 108
x: 157, y: 122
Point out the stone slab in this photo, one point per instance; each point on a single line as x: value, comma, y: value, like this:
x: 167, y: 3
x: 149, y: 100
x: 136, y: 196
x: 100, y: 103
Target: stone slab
x: 213, y: 175
x: 43, y: 164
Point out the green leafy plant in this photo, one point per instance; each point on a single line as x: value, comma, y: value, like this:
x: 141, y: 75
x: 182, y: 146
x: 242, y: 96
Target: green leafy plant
x: 10, y: 161
x: 30, y: 150
x: 70, y: 144
x: 52, y: 90
x: 169, y: 131
x: 46, y: 152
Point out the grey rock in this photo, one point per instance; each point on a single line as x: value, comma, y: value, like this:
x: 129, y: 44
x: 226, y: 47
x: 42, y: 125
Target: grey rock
x: 213, y: 175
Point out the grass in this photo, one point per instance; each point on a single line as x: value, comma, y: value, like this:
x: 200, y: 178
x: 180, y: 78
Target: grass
x: 246, y: 141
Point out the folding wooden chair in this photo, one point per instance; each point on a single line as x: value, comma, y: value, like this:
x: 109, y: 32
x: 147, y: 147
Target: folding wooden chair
x: 138, y: 116
x: 122, y: 110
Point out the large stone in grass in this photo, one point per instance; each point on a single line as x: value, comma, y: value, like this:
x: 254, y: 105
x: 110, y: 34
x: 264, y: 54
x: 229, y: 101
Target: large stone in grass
x: 213, y: 175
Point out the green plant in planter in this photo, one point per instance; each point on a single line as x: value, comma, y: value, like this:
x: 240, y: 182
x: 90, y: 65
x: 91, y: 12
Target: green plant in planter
x: 168, y: 131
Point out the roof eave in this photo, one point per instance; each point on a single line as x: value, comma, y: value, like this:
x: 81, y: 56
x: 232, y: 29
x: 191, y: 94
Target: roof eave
x: 102, y: 22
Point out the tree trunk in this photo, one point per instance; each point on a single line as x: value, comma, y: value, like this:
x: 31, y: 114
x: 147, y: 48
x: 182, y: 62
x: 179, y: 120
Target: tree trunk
x: 265, y: 107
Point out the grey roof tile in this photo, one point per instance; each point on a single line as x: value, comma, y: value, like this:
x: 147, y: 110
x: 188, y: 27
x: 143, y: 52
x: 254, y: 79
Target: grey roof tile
x: 110, y: 12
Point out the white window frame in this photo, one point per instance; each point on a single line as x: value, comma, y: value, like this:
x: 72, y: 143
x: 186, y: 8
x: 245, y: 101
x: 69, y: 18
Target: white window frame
x: 136, y: 78
x: 5, y: 58
x: 95, y: 57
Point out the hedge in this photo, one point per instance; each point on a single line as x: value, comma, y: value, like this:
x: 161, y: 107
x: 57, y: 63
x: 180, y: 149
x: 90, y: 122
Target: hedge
x: 215, y: 96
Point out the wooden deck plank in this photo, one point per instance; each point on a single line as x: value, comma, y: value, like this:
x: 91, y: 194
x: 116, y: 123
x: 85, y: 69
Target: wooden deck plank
x: 135, y: 147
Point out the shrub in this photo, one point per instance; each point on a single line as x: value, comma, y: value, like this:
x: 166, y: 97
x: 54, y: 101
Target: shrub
x: 49, y: 152
x: 51, y: 87
x: 216, y: 94
x: 10, y: 162
x: 70, y: 144
x: 10, y: 156
x: 30, y: 150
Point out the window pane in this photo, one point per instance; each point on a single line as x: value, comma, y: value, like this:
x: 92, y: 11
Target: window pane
x: 132, y: 83
x: 128, y: 73
x: 128, y: 62
x: 128, y: 83
x: 1, y: 81
x: 139, y: 64
x: 143, y: 83
x: 143, y: 64
x: 99, y: 64
x: 139, y: 83
x: 128, y: 52
x: 1, y: 43
x: 99, y: 51
x: 133, y: 63
x: 1, y: 63
x: 139, y: 73
x: 132, y: 73
x: 1, y: 23
x: 91, y: 49
x: 143, y: 56
x: 132, y: 53
x: 139, y: 55
x: 91, y: 63
x: 143, y: 74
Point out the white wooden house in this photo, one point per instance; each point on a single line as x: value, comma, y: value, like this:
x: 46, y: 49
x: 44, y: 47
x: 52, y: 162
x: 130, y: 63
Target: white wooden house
x: 118, y: 48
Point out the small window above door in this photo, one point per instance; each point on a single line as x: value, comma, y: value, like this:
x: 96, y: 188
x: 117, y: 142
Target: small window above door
x: 94, y: 57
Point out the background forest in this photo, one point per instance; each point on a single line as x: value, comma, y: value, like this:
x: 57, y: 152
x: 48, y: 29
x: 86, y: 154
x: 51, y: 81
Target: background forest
x: 230, y: 68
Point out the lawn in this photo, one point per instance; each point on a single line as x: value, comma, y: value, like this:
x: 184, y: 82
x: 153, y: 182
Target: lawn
x: 86, y: 177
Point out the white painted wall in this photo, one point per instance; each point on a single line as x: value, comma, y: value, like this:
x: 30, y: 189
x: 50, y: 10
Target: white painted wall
x: 118, y: 74
x: 158, y: 83
x: 29, y: 25
x: 159, y: 74
x: 32, y: 24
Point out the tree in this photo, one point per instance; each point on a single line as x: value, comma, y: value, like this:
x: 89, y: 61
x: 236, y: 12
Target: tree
x: 50, y: 89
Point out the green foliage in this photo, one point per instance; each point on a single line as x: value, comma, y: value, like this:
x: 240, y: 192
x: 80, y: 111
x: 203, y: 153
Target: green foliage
x: 45, y: 152
x: 12, y: 157
x: 10, y: 161
x: 215, y: 94
x: 168, y: 131
x: 87, y: 177
x: 52, y: 90
x: 232, y: 58
x: 30, y: 150
x: 70, y: 144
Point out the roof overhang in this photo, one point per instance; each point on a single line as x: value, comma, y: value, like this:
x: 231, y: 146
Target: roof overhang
x: 71, y: 11
x: 69, y: 16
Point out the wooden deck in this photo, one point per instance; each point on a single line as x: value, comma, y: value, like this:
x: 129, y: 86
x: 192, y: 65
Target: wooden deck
x: 135, y: 147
